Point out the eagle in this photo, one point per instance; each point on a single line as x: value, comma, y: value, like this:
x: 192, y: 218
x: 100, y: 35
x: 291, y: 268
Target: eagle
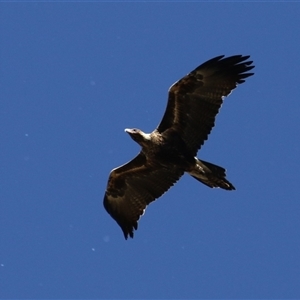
x: 170, y: 150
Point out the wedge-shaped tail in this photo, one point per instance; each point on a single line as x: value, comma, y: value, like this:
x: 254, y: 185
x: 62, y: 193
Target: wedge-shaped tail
x: 210, y: 175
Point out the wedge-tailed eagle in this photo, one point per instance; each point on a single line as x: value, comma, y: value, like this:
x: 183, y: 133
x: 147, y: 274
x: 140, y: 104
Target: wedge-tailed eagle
x: 170, y: 150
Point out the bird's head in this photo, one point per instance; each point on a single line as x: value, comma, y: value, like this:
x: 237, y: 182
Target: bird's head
x: 138, y: 136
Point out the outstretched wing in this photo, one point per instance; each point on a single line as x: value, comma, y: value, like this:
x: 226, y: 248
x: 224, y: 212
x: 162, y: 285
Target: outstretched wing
x: 132, y: 187
x: 194, y: 100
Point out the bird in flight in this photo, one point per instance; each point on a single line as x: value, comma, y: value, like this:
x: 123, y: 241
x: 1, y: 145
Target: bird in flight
x: 170, y: 150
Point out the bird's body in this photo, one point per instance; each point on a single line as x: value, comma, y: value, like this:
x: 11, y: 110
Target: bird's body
x: 170, y: 150
x: 165, y: 148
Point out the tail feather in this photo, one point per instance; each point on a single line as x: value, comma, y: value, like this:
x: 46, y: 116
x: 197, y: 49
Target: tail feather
x: 210, y: 175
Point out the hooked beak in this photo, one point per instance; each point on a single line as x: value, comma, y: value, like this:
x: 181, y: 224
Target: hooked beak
x: 127, y: 130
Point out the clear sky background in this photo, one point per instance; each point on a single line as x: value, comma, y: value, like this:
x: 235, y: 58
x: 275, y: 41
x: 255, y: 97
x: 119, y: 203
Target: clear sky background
x: 73, y: 76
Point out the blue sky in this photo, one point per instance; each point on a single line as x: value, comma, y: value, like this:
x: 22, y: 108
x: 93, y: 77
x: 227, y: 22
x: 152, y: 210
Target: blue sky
x: 72, y: 77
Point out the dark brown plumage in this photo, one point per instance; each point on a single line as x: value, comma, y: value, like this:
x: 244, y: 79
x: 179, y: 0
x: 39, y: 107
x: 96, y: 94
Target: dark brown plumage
x: 170, y: 150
